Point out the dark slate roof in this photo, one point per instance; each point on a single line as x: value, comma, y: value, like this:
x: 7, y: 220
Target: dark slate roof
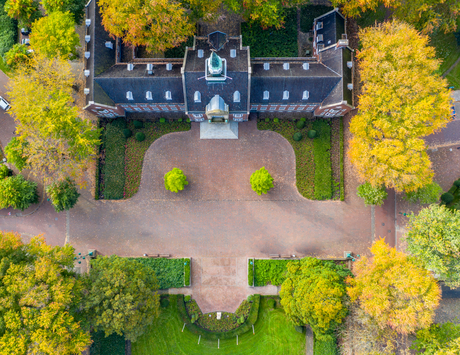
x: 103, y: 57
x: 209, y: 90
x: 217, y: 40
x: 116, y: 89
x: 333, y: 27
x: 140, y: 71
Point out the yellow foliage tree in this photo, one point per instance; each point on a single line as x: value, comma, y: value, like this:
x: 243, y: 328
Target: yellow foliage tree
x: 394, y: 290
x: 403, y: 99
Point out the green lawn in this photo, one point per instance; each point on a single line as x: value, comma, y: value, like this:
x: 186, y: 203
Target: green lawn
x: 446, y: 49
x: 274, y: 334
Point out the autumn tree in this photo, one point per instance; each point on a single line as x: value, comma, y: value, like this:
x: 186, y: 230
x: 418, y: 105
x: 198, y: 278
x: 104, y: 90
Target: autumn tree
x: 261, y: 181
x: 55, y: 140
x: 21, y: 9
x: 394, y: 290
x: 155, y: 24
x: 402, y: 100
x: 18, y: 56
x: 314, y: 293
x: 54, y: 35
x: 121, y: 296
x: 39, y: 298
x: 425, y: 15
x: 175, y: 180
x: 75, y: 7
x: 433, y: 236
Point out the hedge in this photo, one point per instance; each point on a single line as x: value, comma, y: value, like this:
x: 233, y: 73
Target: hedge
x: 342, y: 157
x: 169, y: 272
x: 268, y: 271
x: 195, y: 329
x: 114, y: 167
x: 251, y: 272
x: 322, y: 157
x: 114, y: 344
x: 187, y: 266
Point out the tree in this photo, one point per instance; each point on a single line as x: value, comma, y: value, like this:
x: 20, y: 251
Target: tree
x: 261, y: 181
x: 428, y: 194
x: 4, y: 172
x: 75, y: 7
x: 394, y: 290
x: 439, y: 339
x: 63, y: 194
x: 122, y: 297
x: 202, y: 10
x: 403, y: 100
x: 17, y: 192
x: 54, y: 35
x: 425, y: 15
x: 372, y: 195
x: 21, y: 9
x: 39, y: 297
x: 314, y: 293
x: 175, y: 180
x: 14, y: 152
x: 433, y: 236
x: 56, y: 142
x: 17, y: 56
x: 155, y: 24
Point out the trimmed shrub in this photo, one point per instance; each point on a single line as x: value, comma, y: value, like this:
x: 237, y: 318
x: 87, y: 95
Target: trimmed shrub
x: 268, y: 271
x: 303, y: 119
x: 297, y: 136
x: 170, y: 272
x: 240, y: 320
x: 63, y: 194
x: 299, y: 328
x: 271, y: 303
x: 175, y: 180
x: 251, y: 272
x: 250, y: 298
x: 179, y: 120
x: 187, y: 270
x: 127, y: 133
x: 311, y: 134
x: 447, y: 198
x: 188, y: 120
x: 17, y: 192
x: 300, y: 124
x: 4, y: 171
x: 164, y: 302
x: 457, y: 183
x: 276, y: 120
x: 267, y: 120
x: 140, y: 137
x: 138, y: 124
x: 372, y: 195
x: 261, y: 181
x: 187, y: 298
x: 162, y: 120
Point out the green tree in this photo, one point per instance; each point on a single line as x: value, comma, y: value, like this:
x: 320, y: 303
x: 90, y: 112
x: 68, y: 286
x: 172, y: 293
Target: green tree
x: 8, y: 31
x: 372, y: 195
x: 427, y: 194
x: 402, y: 101
x: 17, y: 192
x: 54, y: 35
x: 314, y: 293
x: 14, y: 152
x: 75, y: 7
x: 21, y: 9
x: 39, y: 298
x: 4, y: 172
x: 394, y: 290
x: 433, y: 236
x: 17, y: 56
x: 261, y: 181
x: 63, y: 194
x: 137, y: 22
x: 439, y: 339
x: 175, y: 180
x: 56, y: 141
x: 122, y: 297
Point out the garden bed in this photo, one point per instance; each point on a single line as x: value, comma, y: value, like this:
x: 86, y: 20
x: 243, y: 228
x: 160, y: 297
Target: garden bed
x: 170, y: 272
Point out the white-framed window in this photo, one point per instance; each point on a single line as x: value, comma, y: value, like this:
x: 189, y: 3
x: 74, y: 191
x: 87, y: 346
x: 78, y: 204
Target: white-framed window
x: 148, y: 95
x: 272, y: 108
x: 282, y: 108
x: 266, y: 95
x: 263, y: 108
x: 238, y: 115
x: 350, y: 64
x: 306, y: 66
x: 168, y: 95
x: 266, y: 66
x: 305, y: 95
x: 232, y: 53
x: 319, y: 26
x: 285, y: 95
x: 319, y: 38
x: 236, y: 96
x: 291, y: 108
x: 200, y: 53
x: 197, y: 96
x: 286, y: 66
x: 129, y: 95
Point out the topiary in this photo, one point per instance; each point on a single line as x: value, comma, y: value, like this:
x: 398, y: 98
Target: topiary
x: 140, y: 136
x: 297, y: 136
x: 303, y: 119
x: 138, y: 124
x: 276, y: 120
x: 271, y: 303
x: 457, y: 183
x: 300, y: 124
x: 164, y: 302
x: 127, y: 133
x: 267, y: 120
x: 311, y: 133
x: 240, y: 320
x: 187, y: 298
x: 261, y: 181
x: 179, y: 120
x: 188, y: 120
x: 175, y: 180
x: 162, y: 120
x: 299, y: 328
x: 194, y: 318
x: 447, y: 198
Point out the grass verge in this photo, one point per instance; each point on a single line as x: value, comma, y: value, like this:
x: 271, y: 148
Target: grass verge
x: 274, y: 334
x: 322, y: 156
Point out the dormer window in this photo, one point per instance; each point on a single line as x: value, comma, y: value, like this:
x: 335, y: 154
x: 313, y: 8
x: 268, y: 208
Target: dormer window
x: 306, y: 66
x: 169, y: 66
x: 148, y: 95
x: 129, y: 95
x: 285, y: 95
x: 305, y: 95
x: 197, y: 96
x: 200, y: 53
x: 350, y: 65
x: 350, y: 86
x: 319, y: 38
x: 286, y: 66
x: 232, y: 53
x: 266, y: 66
x: 236, y: 96
x: 130, y: 66
x: 319, y: 26
x: 168, y: 95
x: 266, y: 95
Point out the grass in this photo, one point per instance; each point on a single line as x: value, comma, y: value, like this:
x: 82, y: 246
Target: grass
x: 269, y: 272
x: 342, y: 163
x: 308, y: 13
x: 114, y: 167
x: 447, y: 49
x: 305, y: 166
x: 274, y: 334
x: 112, y: 345
x: 135, y: 151
x: 272, y: 42
x: 328, y: 347
x: 170, y: 272
x: 322, y: 156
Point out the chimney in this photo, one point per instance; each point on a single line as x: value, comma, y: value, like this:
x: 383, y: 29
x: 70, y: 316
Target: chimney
x: 342, y: 43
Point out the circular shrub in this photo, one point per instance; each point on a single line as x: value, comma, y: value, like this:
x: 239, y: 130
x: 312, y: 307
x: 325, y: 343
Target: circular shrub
x: 303, y: 119
x: 162, y: 120
x: 311, y: 133
x: 140, y: 136
x: 127, y: 133
x: 276, y: 120
x: 267, y: 120
x: 187, y: 298
x: 240, y: 320
x: 300, y: 124
x: 271, y: 303
x: 299, y: 328
x: 179, y: 120
x: 447, y: 198
x: 457, y: 183
x: 188, y: 120
x: 164, y: 302
x: 297, y: 136
x: 138, y: 124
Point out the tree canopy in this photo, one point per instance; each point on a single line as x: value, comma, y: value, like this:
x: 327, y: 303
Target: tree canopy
x: 63, y: 194
x: 403, y: 99
x: 175, y: 180
x: 17, y: 192
x: 433, y: 236
x: 439, y: 339
x: 261, y: 181
x: 121, y: 296
x: 314, y: 293
x: 38, y: 299
x: 394, y: 290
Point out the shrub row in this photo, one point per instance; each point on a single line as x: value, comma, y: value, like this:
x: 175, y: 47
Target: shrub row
x: 269, y: 272
x: 187, y: 267
x: 169, y: 272
x: 251, y: 272
x: 322, y: 157
x: 246, y: 326
x: 342, y: 157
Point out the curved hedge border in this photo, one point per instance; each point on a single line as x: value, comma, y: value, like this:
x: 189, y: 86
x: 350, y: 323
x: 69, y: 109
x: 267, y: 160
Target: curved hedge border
x: 246, y: 326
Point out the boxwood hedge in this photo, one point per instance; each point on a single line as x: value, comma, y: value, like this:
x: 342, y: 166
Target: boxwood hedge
x: 170, y: 272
